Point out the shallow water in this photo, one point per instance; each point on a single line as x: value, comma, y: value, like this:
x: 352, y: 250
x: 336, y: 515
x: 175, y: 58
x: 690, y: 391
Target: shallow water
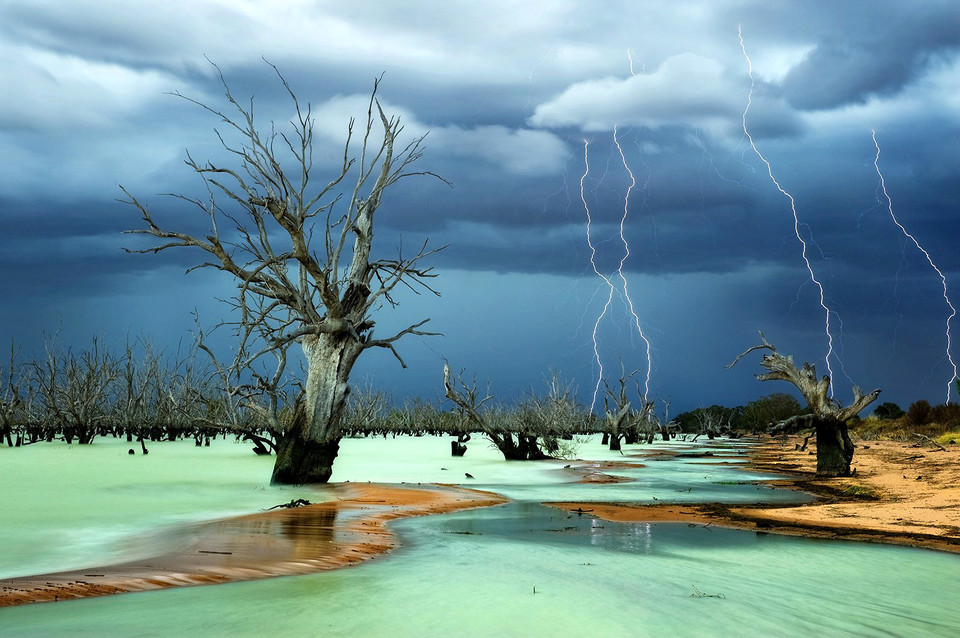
x: 473, y: 573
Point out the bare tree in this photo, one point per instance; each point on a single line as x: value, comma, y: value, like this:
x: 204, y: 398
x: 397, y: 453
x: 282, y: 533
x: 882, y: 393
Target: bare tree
x: 519, y: 445
x: 664, y: 423
x: 622, y: 420
x: 75, y: 391
x: 366, y: 410
x: 827, y: 416
x: 712, y: 421
x: 11, y: 403
x: 301, y: 254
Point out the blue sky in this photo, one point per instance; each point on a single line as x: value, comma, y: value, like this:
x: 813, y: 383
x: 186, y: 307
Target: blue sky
x: 513, y: 94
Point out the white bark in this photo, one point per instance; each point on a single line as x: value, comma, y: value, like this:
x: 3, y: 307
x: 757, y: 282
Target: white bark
x: 814, y: 390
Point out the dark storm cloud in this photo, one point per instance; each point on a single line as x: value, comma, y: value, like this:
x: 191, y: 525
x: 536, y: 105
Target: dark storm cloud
x: 849, y: 68
x: 509, y: 96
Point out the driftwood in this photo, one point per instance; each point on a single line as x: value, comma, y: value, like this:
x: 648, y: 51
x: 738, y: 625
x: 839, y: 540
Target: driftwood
x: 298, y: 502
x: 924, y: 437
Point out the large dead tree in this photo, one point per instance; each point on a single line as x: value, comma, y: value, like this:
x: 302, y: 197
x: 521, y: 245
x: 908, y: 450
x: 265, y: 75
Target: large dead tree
x: 827, y: 416
x: 301, y: 254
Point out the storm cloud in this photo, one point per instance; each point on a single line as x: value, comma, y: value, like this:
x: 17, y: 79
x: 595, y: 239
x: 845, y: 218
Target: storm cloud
x: 538, y: 116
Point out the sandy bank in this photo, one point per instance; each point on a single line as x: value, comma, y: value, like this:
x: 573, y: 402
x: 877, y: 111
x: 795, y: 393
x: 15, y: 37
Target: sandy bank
x: 901, y: 494
x: 278, y: 542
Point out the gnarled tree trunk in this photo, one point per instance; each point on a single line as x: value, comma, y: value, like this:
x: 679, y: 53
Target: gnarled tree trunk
x: 311, y: 443
x: 522, y: 448
x: 827, y: 416
x: 834, y: 447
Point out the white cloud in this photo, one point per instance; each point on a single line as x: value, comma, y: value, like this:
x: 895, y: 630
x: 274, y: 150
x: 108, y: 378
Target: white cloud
x: 61, y: 91
x: 518, y: 151
x: 686, y: 90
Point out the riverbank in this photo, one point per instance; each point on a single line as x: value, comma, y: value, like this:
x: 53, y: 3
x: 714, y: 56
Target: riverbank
x: 297, y: 540
x: 901, y: 493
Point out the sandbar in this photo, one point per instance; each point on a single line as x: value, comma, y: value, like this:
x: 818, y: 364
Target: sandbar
x: 300, y: 540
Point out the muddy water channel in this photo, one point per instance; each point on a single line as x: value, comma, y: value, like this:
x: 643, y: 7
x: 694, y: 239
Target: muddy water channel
x: 518, y: 569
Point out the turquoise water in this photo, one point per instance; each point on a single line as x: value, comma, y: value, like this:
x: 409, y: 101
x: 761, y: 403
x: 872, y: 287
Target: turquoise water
x: 474, y: 573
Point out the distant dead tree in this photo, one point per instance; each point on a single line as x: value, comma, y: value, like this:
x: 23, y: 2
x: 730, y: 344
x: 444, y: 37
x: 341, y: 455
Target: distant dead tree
x: 665, y: 423
x: 11, y: 403
x: 521, y: 445
x: 75, y: 390
x: 301, y: 255
x: 827, y: 416
x: 622, y: 421
x: 712, y: 421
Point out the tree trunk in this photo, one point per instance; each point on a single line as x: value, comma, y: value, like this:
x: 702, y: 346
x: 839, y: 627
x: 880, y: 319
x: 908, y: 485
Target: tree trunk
x: 834, y: 447
x: 524, y: 448
x: 307, y: 449
x: 614, y: 441
x: 301, y: 461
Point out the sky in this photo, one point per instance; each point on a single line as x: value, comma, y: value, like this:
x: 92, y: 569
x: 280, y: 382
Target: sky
x: 524, y: 105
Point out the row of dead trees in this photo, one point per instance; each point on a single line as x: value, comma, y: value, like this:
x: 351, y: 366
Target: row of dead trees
x: 140, y: 393
x: 145, y: 394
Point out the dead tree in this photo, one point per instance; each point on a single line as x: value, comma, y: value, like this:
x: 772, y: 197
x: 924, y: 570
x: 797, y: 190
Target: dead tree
x: 301, y: 254
x: 711, y: 421
x: 467, y: 399
x: 665, y: 423
x: 242, y: 398
x: 622, y: 421
x: 366, y: 411
x: 11, y: 405
x: 75, y: 391
x: 827, y: 416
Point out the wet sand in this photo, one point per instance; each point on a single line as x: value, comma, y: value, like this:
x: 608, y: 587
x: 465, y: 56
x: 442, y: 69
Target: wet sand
x: 278, y: 542
x: 902, y: 494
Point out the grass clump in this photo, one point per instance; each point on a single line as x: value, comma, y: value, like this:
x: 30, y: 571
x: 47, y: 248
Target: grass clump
x: 861, y: 492
x: 948, y: 438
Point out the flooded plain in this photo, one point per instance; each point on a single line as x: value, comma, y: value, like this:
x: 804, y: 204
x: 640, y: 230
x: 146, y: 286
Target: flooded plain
x: 518, y: 569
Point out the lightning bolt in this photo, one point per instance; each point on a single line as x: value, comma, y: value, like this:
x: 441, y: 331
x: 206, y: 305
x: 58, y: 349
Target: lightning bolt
x: 593, y: 264
x: 943, y: 280
x: 611, y: 288
x: 623, y: 260
x: 793, y: 209
x: 643, y: 66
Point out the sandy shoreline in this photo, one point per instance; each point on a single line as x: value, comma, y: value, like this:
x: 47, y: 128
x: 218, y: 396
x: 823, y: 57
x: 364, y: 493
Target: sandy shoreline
x: 279, y: 542
x: 901, y: 494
